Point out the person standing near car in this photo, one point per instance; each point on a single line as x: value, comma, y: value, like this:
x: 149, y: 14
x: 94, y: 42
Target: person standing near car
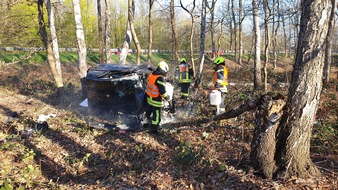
x: 220, y: 82
x: 184, y: 73
x: 156, y: 93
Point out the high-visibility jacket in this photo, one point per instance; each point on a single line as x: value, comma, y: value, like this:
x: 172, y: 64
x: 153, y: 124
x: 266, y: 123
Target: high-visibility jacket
x: 220, y: 79
x: 155, y: 90
x: 184, y: 73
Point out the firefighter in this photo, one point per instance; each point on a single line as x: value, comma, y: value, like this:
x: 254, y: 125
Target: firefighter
x: 156, y: 92
x: 184, y: 73
x: 220, y: 82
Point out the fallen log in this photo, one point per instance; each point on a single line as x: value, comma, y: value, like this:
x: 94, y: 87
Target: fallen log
x: 232, y: 113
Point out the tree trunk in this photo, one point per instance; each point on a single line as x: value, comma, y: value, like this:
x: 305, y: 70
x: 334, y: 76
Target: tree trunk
x: 125, y: 47
x: 275, y: 32
x: 235, y: 26
x: 230, y: 27
x: 131, y: 12
x: 107, y: 32
x: 202, y: 36
x: 82, y: 49
x: 55, y: 44
x: 328, y: 47
x: 240, y: 33
x: 175, y: 56
x: 150, y: 33
x: 257, y: 69
x: 192, y: 40
x: 267, y: 43
x: 100, y: 23
x: 49, y: 52
x: 192, y: 29
x: 286, y: 50
x: 251, y: 49
x: 212, y: 29
x: 264, y: 142
x: 221, y: 34
x: 294, y: 132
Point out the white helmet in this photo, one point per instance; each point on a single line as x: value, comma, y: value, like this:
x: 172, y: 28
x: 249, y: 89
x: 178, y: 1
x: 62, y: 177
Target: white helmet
x: 164, y: 66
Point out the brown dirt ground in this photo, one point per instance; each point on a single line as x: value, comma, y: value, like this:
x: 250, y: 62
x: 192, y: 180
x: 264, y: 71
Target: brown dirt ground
x: 69, y: 155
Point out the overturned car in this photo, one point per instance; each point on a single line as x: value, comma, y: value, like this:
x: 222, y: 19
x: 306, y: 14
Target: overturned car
x: 116, y: 94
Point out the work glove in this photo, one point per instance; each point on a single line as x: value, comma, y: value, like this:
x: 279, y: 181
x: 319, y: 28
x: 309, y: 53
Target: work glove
x: 167, y: 97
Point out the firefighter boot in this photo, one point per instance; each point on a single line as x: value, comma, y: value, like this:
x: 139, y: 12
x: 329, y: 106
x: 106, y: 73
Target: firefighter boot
x: 154, y: 129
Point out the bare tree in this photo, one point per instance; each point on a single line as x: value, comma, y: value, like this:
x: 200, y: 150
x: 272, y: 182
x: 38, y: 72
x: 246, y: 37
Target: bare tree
x: 131, y: 12
x: 328, y: 47
x: 107, y: 32
x: 234, y: 26
x: 257, y: 69
x: 240, y: 18
x: 201, y: 57
x: 175, y: 55
x: 267, y: 41
x: 100, y: 23
x: 81, y: 45
x: 212, y: 28
x: 55, y: 45
x: 49, y: 51
x: 220, y: 33
x: 231, y: 28
x: 275, y: 27
x: 150, y: 32
x: 125, y: 46
x: 192, y: 29
x: 286, y: 49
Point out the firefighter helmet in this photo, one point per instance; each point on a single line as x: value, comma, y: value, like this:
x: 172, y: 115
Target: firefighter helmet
x: 219, y: 60
x: 164, y: 66
x: 183, y: 60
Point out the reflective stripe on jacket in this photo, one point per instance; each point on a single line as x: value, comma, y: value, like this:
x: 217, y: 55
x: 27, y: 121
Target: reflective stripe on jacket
x: 152, y: 89
x: 184, y: 73
x: 220, y: 79
x: 154, y: 97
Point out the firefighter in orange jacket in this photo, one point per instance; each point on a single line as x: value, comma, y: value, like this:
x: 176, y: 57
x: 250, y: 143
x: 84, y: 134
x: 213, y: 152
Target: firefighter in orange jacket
x: 184, y: 72
x: 220, y: 82
x: 156, y: 92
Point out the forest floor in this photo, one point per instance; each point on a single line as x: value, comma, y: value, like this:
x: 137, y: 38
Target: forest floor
x: 70, y: 155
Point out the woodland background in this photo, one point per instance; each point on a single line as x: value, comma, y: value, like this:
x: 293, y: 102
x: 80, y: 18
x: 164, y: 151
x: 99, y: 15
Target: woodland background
x: 71, y: 155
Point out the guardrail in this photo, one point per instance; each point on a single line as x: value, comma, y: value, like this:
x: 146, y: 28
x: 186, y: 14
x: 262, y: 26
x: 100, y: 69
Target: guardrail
x: 118, y: 50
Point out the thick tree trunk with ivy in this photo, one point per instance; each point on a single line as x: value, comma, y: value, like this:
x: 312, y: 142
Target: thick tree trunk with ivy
x: 294, y: 132
x: 82, y: 49
x: 49, y: 51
